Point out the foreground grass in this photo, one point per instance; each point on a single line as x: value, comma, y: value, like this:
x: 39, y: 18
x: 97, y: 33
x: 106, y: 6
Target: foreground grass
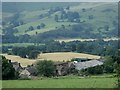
x: 0, y: 84
x: 90, y: 82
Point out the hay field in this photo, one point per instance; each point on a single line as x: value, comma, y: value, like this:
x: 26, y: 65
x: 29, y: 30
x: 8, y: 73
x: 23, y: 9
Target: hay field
x: 58, y: 56
x: 23, y: 61
x: 66, y: 56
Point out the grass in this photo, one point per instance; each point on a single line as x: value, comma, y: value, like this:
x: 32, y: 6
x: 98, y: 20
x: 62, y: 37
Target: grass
x: 18, y: 44
x: 49, y: 22
x: 0, y: 84
x: 66, y: 82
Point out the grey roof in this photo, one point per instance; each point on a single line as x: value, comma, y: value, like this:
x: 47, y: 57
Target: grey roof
x: 32, y: 69
x: 87, y: 64
x: 16, y: 66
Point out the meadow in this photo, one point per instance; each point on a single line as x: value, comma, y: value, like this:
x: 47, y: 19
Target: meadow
x: 63, y: 82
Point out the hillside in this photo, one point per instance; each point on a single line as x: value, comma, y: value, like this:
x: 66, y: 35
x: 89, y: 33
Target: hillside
x: 96, y: 20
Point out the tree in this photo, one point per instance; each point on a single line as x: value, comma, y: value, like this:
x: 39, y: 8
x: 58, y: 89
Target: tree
x: 56, y: 18
x: 38, y: 27
x: 109, y: 65
x: 8, y: 72
x: 63, y: 26
x: 33, y: 54
x: 91, y: 17
x: 42, y: 25
x: 68, y: 8
x: 45, y: 68
x: 31, y: 28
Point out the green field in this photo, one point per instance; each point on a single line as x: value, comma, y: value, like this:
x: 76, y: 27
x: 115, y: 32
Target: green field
x: 19, y: 44
x: 0, y: 84
x: 64, y: 82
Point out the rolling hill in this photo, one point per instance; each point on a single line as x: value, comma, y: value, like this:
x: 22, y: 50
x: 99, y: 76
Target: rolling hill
x: 101, y: 18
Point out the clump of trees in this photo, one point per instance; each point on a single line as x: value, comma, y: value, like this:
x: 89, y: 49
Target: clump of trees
x: 8, y: 72
x: 70, y: 16
x: 26, y: 52
x: 45, y: 68
x: 91, y: 71
x: 31, y: 28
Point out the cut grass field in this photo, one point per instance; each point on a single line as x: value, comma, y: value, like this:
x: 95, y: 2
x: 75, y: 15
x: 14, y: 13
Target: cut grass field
x: 66, y: 82
x: 66, y: 56
x: 58, y: 56
x: 23, y: 61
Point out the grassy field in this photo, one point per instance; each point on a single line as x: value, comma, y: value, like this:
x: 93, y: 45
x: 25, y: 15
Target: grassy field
x: 17, y: 44
x: 0, y: 84
x: 66, y: 82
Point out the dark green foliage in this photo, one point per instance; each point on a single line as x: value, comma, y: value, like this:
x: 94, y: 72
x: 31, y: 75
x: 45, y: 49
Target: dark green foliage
x: 8, y: 72
x: 56, y: 18
x: 91, y: 47
x: 38, y: 27
x: 91, y: 17
x: 109, y: 65
x: 42, y: 25
x: 68, y: 8
x: 33, y: 54
x: 31, y: 28
x: 95, y: 70
x: 26, y: 52
x: 92, y: 70
x: 45, y: 68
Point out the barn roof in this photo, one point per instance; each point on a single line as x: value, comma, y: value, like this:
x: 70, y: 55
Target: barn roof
x: 87, y: 64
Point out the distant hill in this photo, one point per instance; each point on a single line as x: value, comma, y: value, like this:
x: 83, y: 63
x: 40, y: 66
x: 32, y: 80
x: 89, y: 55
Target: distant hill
x: 13, y: 7
x: 98, y: 19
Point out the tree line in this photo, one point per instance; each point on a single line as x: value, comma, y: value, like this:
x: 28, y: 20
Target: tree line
x: 98, y: 47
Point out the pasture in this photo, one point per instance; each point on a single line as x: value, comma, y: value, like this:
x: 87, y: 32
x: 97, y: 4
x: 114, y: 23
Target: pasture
x: 63, y: 82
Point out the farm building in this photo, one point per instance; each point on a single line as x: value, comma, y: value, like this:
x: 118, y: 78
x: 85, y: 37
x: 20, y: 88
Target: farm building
x: 87, y: 64
x: 62, y: 68
x: 28, y: 72
x: 17, y: 66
